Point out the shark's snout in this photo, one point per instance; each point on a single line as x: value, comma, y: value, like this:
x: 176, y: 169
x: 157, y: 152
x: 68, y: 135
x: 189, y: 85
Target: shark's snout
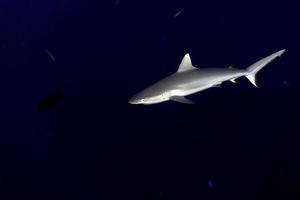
x: 134, y: 100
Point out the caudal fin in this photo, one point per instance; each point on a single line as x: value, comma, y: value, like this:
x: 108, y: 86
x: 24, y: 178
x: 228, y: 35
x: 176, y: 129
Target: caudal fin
x: 256, y: 67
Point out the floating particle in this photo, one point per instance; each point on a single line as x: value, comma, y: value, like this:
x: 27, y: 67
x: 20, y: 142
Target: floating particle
x: 49, y: 101
x: 178, y: 13
x: 210, y: 184
x: 50, y: 55
x: 286, y: 83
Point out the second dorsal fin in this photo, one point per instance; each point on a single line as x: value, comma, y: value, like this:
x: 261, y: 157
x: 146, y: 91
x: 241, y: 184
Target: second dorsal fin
x: 231, y: 67
x: 186, y: 64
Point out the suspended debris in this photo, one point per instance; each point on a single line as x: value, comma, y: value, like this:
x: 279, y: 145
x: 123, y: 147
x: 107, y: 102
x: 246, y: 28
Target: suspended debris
x: 50, y: 55
x: 178, y: 13
x: 49, y: 101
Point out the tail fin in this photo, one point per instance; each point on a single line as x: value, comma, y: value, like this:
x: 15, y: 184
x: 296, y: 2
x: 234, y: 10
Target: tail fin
x: 254, y: 68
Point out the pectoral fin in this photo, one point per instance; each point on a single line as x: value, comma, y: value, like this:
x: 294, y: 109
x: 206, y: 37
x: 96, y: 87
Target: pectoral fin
x: 181, y: 99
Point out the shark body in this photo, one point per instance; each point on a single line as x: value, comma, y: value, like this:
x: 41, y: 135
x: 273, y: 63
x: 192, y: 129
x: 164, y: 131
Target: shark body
x: 189, y: 80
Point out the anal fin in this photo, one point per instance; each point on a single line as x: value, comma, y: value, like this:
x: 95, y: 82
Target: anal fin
x: 218, y: 85
x: 181, y: 99
x: 233, y: 80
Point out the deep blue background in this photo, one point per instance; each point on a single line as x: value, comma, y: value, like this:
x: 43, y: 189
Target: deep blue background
x: 92, y: 144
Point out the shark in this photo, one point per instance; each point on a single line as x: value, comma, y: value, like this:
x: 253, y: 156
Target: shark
x: 189, y: 79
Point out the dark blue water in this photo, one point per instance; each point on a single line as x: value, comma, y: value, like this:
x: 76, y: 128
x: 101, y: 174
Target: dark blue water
x: 68, y: 69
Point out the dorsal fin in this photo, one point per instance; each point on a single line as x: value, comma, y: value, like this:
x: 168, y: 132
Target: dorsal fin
x: 186, y: 64
x: 231, y: 67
